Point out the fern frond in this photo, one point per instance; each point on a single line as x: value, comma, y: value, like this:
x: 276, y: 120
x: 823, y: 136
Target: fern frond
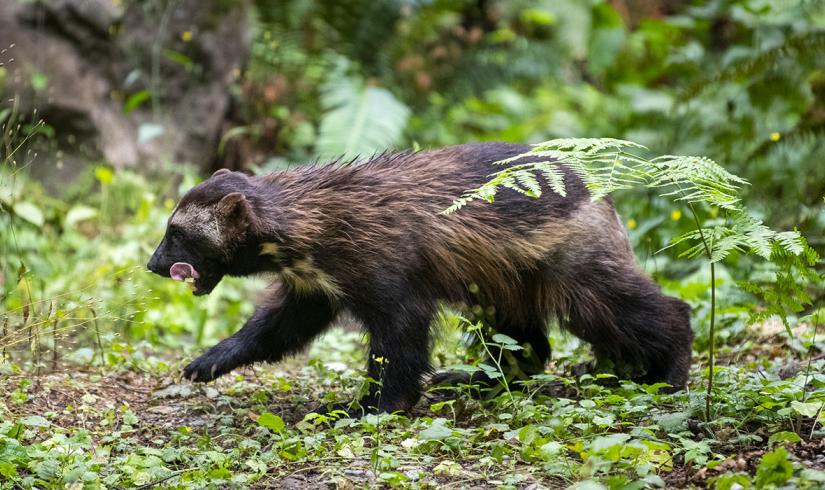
x: 800, y: 47
x: 358, y: 119
x: 554, y: 177
x: 606, y: 165
x: 744, y: 234
x: 602, y: 163
x: 785, y: 292
x: 694, y: 237
x: 587, y: 146
x: 695, y: 180
x: 528, y: 183
x: 791, y: 242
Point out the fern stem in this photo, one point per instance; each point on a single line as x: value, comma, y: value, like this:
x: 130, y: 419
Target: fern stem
x: 712, y: 346
x: 712, y: 332
x: 805, y: 391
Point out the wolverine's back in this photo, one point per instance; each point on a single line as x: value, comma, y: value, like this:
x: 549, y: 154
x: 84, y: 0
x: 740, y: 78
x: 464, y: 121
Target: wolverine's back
x: 389, y: 213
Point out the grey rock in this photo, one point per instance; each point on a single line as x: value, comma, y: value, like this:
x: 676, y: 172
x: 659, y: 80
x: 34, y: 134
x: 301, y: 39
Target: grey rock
x: 95, y: 54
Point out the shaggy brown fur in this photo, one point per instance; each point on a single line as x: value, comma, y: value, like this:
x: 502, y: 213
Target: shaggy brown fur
x: 370, y: 239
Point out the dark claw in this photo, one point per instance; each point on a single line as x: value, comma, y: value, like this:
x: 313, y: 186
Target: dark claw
x: 203, y: 370
x: 216, y: 362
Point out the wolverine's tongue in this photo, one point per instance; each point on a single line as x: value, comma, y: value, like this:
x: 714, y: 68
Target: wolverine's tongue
x: 181, y: 271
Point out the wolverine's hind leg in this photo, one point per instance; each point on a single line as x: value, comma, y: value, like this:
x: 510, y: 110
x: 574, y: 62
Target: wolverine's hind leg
x: 520, y: 365
x: 624, y: 315
x: 520, y: 316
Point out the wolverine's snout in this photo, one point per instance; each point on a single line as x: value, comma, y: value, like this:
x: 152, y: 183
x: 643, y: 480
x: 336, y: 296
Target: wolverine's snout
x: 156, y: 264
x: 153, y: 265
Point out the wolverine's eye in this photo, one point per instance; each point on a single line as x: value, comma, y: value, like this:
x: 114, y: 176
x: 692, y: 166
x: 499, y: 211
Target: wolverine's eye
x: 175, y: 233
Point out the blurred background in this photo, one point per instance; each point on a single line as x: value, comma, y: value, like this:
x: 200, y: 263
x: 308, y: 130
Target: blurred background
x: 112, y: 108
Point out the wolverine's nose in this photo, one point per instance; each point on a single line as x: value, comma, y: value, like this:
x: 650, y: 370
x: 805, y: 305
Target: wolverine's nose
x: 154, y: 265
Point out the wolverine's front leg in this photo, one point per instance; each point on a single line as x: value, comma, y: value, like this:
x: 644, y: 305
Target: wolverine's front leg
x: 399, y: 352
x: 282, y: 325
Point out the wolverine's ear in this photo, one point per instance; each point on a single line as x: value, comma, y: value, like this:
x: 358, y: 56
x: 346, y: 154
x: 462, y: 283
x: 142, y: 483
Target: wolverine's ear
x: 221, y: 171
x: 234, y: 209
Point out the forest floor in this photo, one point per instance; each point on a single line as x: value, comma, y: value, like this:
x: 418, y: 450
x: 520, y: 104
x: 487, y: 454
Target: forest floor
x: 135, y: 424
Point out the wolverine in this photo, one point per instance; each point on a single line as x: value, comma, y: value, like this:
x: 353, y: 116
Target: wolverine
x: 370, y: 240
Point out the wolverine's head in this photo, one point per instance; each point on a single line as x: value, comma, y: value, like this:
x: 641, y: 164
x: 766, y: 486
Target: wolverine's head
x: 210, y: 227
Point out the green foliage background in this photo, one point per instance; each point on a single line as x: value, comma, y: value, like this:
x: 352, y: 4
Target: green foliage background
x: 741, y: 82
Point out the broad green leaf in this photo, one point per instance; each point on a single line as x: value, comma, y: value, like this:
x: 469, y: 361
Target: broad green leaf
x: 47, y: 469
x: 550, y: 450
x: 35, y: 421
x: 603, y: 443
x: 813, y: 475
x: 774, y: 469
x: 272, y: 422
x: 809, y: 409
x: 467, y: 368
x: 447, y: 468
x: 78, y: 214
x: 7, y: 470
x: 784, y: 436
x: 29, y: 212
x: 672, y: 422
x: 436, y: 431
x: 500, y: 338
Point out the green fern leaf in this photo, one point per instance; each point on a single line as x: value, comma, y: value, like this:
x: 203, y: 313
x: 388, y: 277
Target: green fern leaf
x: 800, y: 47
x: 529, y: 184
x: 554, y: 177
x: 359, y: 120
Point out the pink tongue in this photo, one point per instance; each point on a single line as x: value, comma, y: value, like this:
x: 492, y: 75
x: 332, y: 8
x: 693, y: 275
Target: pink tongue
x: 180, y: 271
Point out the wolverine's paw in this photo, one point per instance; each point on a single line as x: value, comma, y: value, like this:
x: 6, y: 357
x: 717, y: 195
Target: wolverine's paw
x: 582, y: 368
x: 201, y: 370
x: 209, y: 366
